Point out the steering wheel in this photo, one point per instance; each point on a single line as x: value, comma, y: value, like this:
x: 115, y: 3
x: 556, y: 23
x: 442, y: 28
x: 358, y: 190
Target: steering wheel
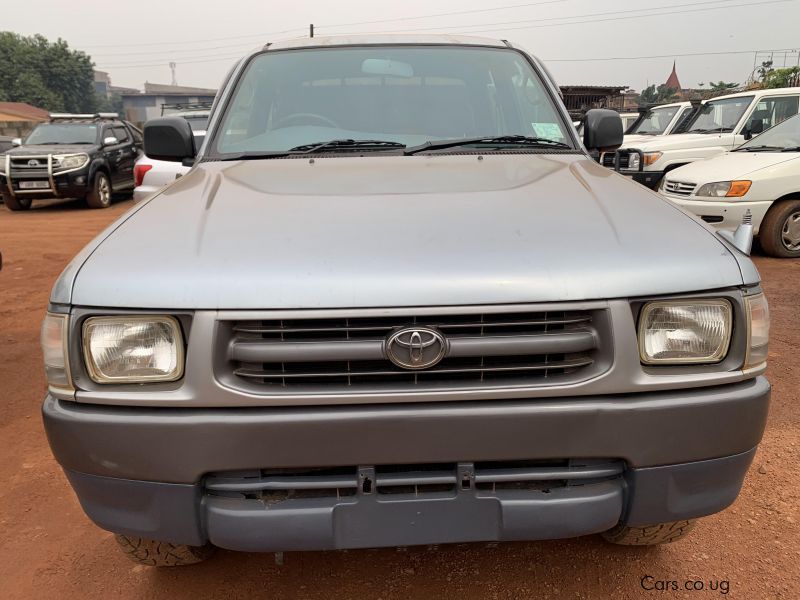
x: 289, y: 120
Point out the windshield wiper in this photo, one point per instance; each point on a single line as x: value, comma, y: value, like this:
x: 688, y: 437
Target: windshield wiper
x: 502, y: 140
x: 329, y: 145
x: 757, y: 148
x: 346, y: 145
x: 791, y: 149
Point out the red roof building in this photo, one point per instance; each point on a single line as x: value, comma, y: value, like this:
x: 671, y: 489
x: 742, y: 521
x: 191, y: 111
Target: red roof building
x: 19, y: 111
x: 673, y: 82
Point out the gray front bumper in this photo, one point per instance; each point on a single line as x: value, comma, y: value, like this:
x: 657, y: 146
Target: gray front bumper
x: 141, y: 471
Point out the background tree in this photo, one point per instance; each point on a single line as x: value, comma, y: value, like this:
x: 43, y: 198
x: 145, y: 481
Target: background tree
x: 45, y: 74
x: 722, y: 86
x: 764, y: 70
x: 780, y: 78
x: 656, y: 95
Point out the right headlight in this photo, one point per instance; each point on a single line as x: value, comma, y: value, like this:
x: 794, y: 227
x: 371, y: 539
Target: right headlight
x: 134, y: 349
x: 757, y: 330
x: 685, y: 331
x: 724, y: 189
x: 72, y: 161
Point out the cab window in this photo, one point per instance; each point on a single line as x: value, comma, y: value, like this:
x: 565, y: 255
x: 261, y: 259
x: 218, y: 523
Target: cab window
x: 771, y: 111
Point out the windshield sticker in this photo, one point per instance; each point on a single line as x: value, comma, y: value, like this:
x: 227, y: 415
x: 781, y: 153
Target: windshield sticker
x: 549, y: 131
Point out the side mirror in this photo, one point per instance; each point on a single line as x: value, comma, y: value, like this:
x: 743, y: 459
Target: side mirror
x: 16, y: 142
x: 757, y: 126
x: 169, y: 138
x: 110, y: 141
x: 602, y: 130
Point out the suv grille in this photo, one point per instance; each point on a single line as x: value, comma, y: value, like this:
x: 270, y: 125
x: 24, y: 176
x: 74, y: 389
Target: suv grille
x: 348, y: 354
x: 607, y: 159
x: 678, y: 188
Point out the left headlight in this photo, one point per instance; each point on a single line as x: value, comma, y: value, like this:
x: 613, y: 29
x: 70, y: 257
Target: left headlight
x: 72, y: 161
x: 135, y: 349
x: 685, y: 332
x: 724, y: 189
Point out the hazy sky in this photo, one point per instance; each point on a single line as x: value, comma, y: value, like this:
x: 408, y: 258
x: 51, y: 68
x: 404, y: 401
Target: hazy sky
x: 140, y: 38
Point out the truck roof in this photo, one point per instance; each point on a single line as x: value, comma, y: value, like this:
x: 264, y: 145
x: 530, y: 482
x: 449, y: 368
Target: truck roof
x: 376, y: 39
x: 761, y: 92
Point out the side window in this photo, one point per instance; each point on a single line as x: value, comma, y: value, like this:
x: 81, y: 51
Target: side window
x: 771, y: 111
x: 121, y: 133
x: 137, y: 135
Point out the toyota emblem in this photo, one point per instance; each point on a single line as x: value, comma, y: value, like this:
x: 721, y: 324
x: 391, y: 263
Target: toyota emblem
x: 33, y: 163
x: 416, y: 347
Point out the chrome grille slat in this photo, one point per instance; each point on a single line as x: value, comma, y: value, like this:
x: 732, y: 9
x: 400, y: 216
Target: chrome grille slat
x: 251, y: 373
x: 679, y: 188
x: 348, y: 354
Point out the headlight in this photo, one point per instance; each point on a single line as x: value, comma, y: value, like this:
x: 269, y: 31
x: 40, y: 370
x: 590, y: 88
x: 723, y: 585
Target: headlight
x: 72, y: 161
x: 684, y: 332
x: 54, y: 348
x: 725, y: 189
x: 757, y: 330
x: 137, y: 349
x: 634, y: 161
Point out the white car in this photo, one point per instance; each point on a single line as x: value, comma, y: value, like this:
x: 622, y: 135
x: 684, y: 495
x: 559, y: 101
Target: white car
x: 151, y: 175
x: 762, y: 176
x: 658, y: 120
x: 721, y: 125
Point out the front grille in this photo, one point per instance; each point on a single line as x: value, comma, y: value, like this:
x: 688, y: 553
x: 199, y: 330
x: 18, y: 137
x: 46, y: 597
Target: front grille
x: 349, y: 354
x: 679, y: 188
x: 273, y: 486
x: 607, y: 159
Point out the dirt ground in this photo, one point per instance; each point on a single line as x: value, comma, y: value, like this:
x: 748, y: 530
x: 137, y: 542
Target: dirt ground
x: 48, y: 548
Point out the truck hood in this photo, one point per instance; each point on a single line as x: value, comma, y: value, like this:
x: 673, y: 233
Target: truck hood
x: 398, y: 231
x: 52, y: 149
x: 732, y: 165
x: 679, y: 141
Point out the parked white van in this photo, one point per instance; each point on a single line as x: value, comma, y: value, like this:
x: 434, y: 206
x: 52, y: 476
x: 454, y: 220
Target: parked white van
x: 762, y: 176
x: 722, y: 124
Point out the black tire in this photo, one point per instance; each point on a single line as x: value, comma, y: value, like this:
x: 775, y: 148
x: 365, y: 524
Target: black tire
x: 15, y: 203
x: 100, y: 195
x: 779, y: 233
x: 152, y: 553
x: 661, y: 533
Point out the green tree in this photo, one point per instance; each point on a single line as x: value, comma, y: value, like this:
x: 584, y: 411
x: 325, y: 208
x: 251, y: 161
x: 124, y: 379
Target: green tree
x: 781, y: 78
x: 722, y: 86
x: 45, y: 74
x: 656, y: 95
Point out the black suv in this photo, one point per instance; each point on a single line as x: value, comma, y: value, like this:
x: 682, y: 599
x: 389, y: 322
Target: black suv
x: 71, y: 156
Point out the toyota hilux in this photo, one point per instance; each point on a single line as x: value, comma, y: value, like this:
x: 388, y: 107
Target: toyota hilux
x: 396, y: 302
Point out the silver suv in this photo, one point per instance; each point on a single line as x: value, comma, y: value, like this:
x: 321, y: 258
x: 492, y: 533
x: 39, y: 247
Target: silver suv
x: 396, y: 302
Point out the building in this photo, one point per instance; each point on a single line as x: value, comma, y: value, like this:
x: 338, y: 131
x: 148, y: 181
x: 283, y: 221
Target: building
x: 18, y: 118
x: 19, y: 111
x: 673, y: 82
x: 580, y: 98
x: 102, y: 84
x: 139, y: 107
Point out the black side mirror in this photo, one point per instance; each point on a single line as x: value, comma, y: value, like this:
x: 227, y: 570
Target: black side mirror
x: 169, y: 138
x: 602, y: 130
x: 757, y: 126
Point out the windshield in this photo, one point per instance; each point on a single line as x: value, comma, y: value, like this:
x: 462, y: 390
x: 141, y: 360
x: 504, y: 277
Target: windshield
x: 408, y: 95
x: 63, y: 133
x: 719, y: 115
x: 784, y: 135
x: 655, y: 121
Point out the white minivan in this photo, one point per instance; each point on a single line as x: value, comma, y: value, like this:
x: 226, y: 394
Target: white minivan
x: 721, y: 125
x: 762, y: 176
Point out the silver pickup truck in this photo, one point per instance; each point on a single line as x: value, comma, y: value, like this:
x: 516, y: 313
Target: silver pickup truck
x: 396, y: 302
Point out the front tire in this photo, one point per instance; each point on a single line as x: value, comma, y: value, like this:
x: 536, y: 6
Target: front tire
x: 100, y: 196
x: 661, y: 533
x: 779, y: 233
x: 153, y: 553
x: 14, y: 203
